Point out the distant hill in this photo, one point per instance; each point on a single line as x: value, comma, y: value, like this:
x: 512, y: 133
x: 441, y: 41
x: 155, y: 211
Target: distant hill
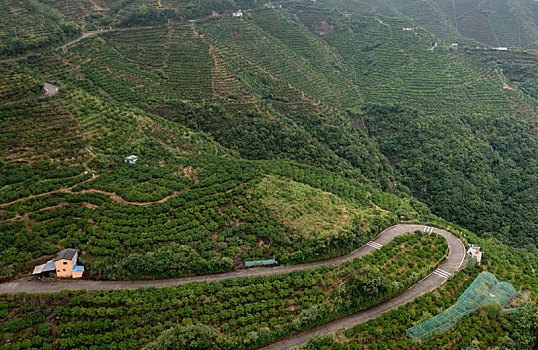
x: 497, y: 23
x: 510, y: 23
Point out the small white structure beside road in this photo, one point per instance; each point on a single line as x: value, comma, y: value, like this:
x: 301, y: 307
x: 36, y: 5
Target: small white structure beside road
x: 475, y: 252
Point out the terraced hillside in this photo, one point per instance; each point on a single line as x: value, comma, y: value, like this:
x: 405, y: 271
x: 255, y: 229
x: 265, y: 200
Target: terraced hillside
x: 65, y: 184
x: 511, y: 23
x: 18, y: 84
x: 497, y: 23
x: 291, y: 65
x: 185, y: 74
x: 518, y: 70
x: 295, y: 133
x: 81, y: 12
x: 394, y: 67
x: 29, y: 25
x: 254, y: 83
x: 433, y: 15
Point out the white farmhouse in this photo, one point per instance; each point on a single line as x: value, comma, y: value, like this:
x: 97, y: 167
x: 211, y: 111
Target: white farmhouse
x: 475, y: 252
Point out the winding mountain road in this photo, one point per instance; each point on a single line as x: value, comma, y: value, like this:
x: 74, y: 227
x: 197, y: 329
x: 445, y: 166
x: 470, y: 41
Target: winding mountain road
x: 88, y: 34
x: 74, y: 41
x: 451, y: 265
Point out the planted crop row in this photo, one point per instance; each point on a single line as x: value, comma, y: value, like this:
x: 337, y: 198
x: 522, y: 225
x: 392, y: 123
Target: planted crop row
x: 30, y: 25
x: 17, y: 85
x: 262, y: 49
x: 32, y: 134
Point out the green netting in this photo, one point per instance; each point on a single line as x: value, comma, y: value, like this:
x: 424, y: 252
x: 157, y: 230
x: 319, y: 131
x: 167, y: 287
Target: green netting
x: 485, y: 289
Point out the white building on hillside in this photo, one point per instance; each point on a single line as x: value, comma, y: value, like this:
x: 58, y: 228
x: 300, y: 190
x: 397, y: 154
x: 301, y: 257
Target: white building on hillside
x: 475, y: 252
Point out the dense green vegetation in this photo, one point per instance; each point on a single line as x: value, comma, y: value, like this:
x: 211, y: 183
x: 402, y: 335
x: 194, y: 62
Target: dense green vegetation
x: 30, y: 25
x: 296, y: 133
x: 486, y: 328
x: 518, y: 70
x: 17, y: 84
x: 220, y: 217
x: 119, y: 214
x: 37, y: 24
x: 495, y: 22
x: 357, y: 107
x: 245, y: 313
x: 352, y: 93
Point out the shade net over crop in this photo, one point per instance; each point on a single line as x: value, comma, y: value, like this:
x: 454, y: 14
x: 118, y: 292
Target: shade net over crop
x: 485, y: 289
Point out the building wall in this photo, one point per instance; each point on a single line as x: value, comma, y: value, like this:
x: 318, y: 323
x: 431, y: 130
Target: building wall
x: 64, y: 268
x: 77, y: 274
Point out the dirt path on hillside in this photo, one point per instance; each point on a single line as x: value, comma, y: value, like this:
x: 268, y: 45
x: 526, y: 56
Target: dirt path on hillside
x: 118, y: 199
x: 64, y: 190
x: 114, y: 196
x: 74, y: 41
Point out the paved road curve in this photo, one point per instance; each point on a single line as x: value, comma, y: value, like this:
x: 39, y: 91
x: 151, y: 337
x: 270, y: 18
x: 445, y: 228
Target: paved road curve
x: 432, y: 281
x: 74, y: 41
x: 453, y: 262
x: 88, y: 34
x: 50, y: 90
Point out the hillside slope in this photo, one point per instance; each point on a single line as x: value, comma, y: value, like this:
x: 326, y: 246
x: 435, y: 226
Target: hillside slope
x: 30, y: 25
x: 349, y: 92
x: 296, y: 132
x: 508, y: 23
x: 188, y: 200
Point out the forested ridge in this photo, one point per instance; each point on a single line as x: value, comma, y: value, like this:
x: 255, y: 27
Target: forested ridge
x: 296, y: 132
